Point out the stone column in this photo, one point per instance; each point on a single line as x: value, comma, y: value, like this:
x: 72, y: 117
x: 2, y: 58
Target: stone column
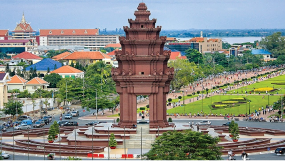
x: 5, y: 93
x: 1, y: 97
x: 128, y: 109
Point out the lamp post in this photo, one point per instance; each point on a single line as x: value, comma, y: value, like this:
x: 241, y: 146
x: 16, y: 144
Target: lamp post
x: 249, y: 108
x: 96, y: 105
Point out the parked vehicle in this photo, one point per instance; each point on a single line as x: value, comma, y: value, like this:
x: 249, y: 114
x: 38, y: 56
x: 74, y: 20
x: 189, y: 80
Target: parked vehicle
x: 28, y: 122
x: 24, y: 117
x: 39, y: 124
x: 280, y: 151
x: 3, y: 128
x: 46, y: 120
x: 227, y: 124
x: 92, y: 123
x: 22, y: 127
x: 68, y: 116
x: 48, y: 117
x: 204, y: 123
x: 75, y: 113
x: 71, y: 123
x: 5, y: 155
x: 61, y: 123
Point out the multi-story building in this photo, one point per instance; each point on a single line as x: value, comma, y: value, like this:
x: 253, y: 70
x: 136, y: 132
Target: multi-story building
x: 23, y: 30
x: 207, y: 45
x: 89, y: 38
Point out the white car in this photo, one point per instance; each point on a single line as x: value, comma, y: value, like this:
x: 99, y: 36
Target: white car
x: 203, y: 123
x: 22, y: 127
x: 5, y: 155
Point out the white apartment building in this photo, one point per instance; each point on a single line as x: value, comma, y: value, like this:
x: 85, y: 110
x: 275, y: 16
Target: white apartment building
x: 89, y: 38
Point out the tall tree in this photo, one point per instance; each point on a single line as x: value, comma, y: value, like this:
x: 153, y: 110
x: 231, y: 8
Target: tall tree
x: 53, y: 79
x: 194, y: 55
x: 275, y: 43
x: 186, y: 145
x: 13, y: 107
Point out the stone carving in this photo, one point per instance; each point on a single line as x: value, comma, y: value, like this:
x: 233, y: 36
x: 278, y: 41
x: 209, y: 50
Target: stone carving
x: 166, y: 52
x: 123, y: 72
x: 163, y: 38
x: 122, y: 38
x: 160, y: 72
x: 130, y: 71
x: 169, y: 71
x: 115, y: 71
x: 154, y: 72
x: 126, y: 52
x: 157, y: 53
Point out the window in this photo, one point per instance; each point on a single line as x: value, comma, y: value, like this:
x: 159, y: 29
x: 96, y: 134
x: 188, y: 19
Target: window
x: 141, y: 73
x: 141, y: 26
x: 24, y: 87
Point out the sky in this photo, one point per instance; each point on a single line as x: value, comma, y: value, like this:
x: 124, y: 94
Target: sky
x: 170, y: 14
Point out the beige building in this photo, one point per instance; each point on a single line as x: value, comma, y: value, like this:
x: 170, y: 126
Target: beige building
x: 17, y: 82
x: 4, y: 78
x: 207, y: 45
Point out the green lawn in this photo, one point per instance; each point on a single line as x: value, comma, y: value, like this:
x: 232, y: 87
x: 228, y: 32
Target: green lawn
x: 266, y: 83
x: 256, y: 102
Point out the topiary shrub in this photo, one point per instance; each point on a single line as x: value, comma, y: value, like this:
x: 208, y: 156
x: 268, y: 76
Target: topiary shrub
x: 142, y: 108
x: 179, y: 97
x: 118, y: 120
x: 169, y: 119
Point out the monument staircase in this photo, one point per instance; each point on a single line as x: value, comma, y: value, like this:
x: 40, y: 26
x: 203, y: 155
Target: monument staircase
x: 135, y: 139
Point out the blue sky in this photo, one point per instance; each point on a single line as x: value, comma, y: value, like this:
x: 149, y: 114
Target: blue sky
x: 170, y: 14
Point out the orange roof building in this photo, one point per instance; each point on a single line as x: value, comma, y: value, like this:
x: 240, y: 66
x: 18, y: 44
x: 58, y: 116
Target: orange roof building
x: 36, y: 83
x: 87, y: 57
x: 116, y: 46
x: 68, y: 71
x: 61, y: 56
x: 4, y: 34
x: 204, y: 45
x: 28, y: 56
x: 176, y: 55
x: 17, y: 82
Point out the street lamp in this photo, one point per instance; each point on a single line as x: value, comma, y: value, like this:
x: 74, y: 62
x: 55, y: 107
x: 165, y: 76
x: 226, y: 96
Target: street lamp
x: 66, y: 92
x: 96, y: 105
x: 249, y: 107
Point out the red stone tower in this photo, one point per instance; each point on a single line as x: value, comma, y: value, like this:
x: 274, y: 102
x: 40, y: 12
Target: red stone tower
x: 142, y: 70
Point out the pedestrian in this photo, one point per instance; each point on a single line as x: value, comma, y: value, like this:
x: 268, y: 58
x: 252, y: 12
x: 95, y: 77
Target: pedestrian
x: 198, y: 127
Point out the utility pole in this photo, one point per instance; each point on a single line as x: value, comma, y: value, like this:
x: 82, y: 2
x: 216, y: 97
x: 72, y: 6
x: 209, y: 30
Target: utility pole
x: 96, y: 105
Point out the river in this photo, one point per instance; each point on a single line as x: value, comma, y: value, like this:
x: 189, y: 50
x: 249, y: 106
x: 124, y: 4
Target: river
x: 231, y: 40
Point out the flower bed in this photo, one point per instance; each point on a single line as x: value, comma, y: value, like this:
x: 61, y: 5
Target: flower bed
x: 229, y: 102
x: 268, y: 89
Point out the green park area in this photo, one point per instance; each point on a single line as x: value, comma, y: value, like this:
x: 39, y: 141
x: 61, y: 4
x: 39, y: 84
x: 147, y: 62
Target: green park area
x: 231, y: 103
x: 272, y: 86
x: 226, y: 104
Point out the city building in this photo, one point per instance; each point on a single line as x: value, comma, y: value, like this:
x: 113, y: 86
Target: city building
x: 206, y: 45
x: 115, y: 46
x: 17, y: 82
x: 44, y: 65
x: 24, y: 30
x: 89, y: 38
x: 174, y: 55
x: 4, y: 34
x: 265, y: 54
x: 87, y: 57
x: 4, y: 78
x: 36, y: 83
x: 15, y: 46
x: 61, y: 56
x: 28, y: 57
x: 68, y: 71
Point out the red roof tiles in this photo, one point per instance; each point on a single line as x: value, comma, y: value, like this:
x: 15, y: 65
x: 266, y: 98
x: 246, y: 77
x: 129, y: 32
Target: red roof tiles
x: 66, y: 69
x: 46, y: 32
x: 61, y: 56
x: 16, y: 80
x: 118, y: 45
x: 36, y: 81
x: 26, y: 55
x: 4, y: 32
x: 92, y: 55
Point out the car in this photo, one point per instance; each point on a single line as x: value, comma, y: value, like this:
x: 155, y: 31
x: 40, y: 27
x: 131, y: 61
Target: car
x: 39, y: 124
x: 48, y: 117
x: 92, y: 123
x: 227, y: 124
x: 3, y: 128
x: 204, y: 123
x: 46, y: 120
x: 75, y: 113
x: 71, y: 123
x: 68, y: 116
x: 61, y: 123
x: 22, y: 127
x: 5, y: 155
x: 24, y: 117
x: 280, y: 151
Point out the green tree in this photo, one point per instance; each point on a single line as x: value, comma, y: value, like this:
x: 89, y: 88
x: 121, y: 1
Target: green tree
x: 13, y: 107
x: 48, y: 70
x: 7, y: 68
x: 52, y: 132
x: 226, y: 45
x: 112, y: 141
x: 53, y: 79
x: 186, y: 145
x: 194, y: 55
x: 275, y: 43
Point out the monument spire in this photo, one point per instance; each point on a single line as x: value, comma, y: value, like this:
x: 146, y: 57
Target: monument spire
x: 23, y: 19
